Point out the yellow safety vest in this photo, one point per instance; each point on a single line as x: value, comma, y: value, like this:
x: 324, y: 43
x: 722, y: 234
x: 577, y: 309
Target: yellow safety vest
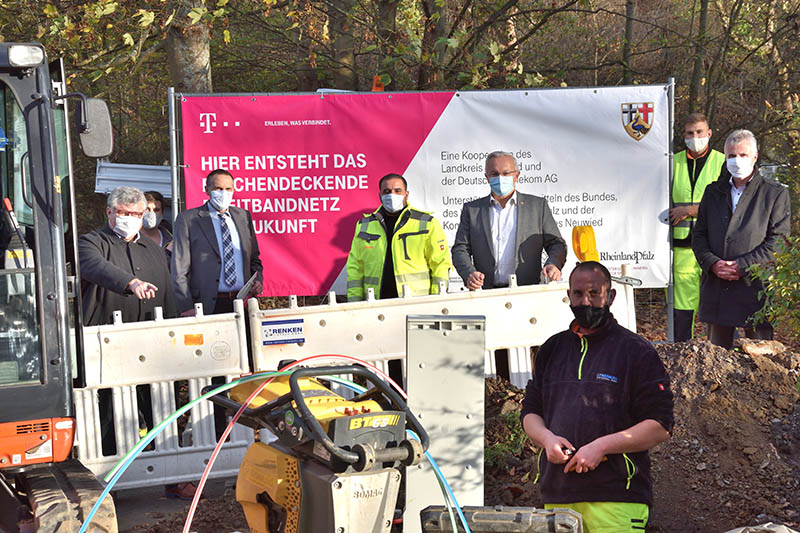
x: 420, y: 254
x: 682, y: 192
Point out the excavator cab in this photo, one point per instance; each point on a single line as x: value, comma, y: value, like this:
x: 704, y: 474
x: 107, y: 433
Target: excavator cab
x: 39, y: 308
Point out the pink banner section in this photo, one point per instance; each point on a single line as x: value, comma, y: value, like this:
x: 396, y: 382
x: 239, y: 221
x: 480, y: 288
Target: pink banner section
x: 306, y: 167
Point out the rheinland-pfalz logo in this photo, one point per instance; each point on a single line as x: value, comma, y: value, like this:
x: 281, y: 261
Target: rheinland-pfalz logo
x: 637, y: 118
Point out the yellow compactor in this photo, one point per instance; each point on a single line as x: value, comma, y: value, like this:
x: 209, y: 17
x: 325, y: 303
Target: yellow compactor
x: 330, y: 464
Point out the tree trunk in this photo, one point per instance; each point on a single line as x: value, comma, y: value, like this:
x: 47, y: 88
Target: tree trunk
x: 699, y: 52
x: 433, y: 51
x: 188, y: 51
x: 630, y: 13
x: 342, y: 45
x: 387, y: 29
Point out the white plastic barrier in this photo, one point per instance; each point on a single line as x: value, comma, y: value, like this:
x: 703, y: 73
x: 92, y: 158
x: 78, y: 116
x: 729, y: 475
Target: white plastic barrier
x: 158, y: 354
x: 518, y: 319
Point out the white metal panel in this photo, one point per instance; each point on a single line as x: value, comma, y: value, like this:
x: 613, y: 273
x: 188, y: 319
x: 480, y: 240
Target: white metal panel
x: 109, y: 176
x: 446, y: 393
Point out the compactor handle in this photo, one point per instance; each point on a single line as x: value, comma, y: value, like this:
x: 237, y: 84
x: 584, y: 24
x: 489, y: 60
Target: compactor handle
x: 315, y: 427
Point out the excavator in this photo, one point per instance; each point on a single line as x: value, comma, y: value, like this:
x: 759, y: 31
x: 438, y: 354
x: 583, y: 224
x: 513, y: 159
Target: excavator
x: 41, y: 487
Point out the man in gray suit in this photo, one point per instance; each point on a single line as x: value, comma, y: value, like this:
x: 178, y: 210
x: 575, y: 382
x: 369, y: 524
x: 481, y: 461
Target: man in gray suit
x: 214, y: 251
x: 504, y: 233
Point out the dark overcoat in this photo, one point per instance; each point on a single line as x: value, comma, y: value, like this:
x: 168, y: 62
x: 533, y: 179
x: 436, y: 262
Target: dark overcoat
x: 108, y: 264
x: 748, y: 235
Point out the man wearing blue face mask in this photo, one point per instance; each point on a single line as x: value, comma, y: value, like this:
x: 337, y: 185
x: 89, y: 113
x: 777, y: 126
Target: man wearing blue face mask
x: 396, y: 245
x: 504, y: 233
x: 215, y: 251
x: 741, y: 217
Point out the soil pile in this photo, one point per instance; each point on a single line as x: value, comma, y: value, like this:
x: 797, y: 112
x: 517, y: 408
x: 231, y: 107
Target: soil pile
x: 213, y: 515
x: 734, y: 456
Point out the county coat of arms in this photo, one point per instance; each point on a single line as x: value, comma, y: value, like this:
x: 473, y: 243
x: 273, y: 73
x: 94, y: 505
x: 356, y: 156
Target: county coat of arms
x: 637, y: 119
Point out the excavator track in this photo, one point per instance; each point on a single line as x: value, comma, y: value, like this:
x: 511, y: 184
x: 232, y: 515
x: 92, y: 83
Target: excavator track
x: 60, y: 497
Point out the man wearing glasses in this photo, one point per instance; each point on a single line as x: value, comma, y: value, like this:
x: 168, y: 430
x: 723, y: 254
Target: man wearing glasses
x: 504, y: 233
x: 119, y: 269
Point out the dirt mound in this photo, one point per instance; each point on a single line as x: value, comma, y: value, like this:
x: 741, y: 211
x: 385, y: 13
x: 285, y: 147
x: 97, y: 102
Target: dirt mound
x: 734, y: 456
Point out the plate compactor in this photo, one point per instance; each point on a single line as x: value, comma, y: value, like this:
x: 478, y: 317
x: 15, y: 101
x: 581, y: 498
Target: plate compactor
x: 334, y: 466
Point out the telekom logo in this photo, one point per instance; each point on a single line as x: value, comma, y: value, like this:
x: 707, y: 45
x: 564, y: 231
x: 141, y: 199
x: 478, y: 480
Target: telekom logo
x: 208, y: 121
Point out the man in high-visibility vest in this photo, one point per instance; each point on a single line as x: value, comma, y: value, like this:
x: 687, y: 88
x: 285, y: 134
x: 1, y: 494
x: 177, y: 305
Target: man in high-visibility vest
x: 694, y: 169
x: 396, y: 245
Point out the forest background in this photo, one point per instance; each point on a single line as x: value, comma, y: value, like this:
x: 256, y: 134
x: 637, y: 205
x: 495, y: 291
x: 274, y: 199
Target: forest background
x: 737, y: 61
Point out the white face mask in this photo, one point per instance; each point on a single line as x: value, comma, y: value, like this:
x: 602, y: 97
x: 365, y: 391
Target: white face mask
x: 696, y: 144
x: 150, y: 220
x: 393, y: 202
x: 127, y: 227
x: 221, y: 200
x: 740, y: 167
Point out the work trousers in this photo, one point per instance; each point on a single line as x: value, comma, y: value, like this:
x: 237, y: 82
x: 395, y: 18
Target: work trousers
x: 723, y: 335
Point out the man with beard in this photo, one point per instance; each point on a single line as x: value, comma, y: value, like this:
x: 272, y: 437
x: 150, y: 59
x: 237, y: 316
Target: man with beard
x: 598, y: 400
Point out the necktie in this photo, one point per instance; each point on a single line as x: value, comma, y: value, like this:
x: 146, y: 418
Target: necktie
x: 228, y: 264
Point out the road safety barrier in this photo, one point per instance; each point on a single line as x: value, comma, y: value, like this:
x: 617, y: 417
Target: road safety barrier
x: 518, y: 320
x: 159, y: 362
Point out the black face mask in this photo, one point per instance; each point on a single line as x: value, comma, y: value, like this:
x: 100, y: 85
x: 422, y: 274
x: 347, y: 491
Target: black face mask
x: 589, y: 317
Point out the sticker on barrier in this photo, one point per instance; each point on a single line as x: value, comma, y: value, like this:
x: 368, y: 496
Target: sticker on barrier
x: 283, y: 331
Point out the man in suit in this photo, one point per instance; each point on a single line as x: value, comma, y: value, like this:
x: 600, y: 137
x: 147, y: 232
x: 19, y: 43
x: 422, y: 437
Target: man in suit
x: 214, y: 251
x: 740, y: 219
x: 504, y: 233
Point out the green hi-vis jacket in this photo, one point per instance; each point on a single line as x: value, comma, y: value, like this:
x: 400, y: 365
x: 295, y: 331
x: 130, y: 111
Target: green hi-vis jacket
x: 682, y: 192
x: 420, y: 254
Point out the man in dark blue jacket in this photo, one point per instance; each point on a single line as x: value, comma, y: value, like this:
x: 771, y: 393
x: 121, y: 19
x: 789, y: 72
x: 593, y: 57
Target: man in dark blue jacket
x: 598, y: 400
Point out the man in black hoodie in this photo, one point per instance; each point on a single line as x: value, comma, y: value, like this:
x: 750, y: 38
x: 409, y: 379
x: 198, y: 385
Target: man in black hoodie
x: 598, y: 400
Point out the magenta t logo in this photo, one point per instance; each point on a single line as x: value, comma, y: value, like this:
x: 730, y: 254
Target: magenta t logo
x: 208, y: 121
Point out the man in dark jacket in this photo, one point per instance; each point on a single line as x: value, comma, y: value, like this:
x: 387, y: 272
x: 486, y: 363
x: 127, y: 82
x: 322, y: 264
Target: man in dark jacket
x: 598, y: 400
x: 119, y: 269
x: 740, y: 219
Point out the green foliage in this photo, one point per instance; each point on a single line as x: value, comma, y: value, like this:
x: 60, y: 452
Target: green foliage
x: 782, y: 285
x: 497, y: 454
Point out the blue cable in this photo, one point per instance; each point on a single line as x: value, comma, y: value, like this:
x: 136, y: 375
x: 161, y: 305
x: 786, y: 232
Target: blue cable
x: 446, y: 484
x: 152, y: 435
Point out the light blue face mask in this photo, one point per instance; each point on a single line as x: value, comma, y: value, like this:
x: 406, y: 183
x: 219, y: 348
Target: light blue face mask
x: 501, y: 185
x: 393, y: 202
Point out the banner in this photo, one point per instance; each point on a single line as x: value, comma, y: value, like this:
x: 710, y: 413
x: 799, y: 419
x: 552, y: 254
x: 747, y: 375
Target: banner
x: 307, y: 167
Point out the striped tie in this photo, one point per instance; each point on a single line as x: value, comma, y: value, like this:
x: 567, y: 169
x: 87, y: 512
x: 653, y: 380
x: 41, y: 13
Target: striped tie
x: 228, y: 264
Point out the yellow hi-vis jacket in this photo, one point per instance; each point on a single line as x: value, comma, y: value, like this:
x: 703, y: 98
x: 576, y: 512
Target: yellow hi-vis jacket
x: 682, y: 192
x: 420, y: 254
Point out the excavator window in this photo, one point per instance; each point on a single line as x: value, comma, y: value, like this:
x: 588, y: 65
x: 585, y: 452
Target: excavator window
x: 20, y: 352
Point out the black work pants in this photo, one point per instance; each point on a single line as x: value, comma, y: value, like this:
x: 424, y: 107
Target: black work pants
x: 683, y: 322
x: 723, y: 335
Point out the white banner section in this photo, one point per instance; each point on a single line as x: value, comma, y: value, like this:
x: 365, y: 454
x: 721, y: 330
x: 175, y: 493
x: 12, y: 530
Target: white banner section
x: 600, y: 156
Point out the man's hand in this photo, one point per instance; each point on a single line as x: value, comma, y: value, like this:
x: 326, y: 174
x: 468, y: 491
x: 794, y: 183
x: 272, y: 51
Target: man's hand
x: 727, y: 270
x: 475, y: 281
x: 189, y: 312
x: 555, y: 446
x: 142, y: 289
x: 255, y: 290
x: 586, y: 458
x: 681, y: 212
x: 551, y: 272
